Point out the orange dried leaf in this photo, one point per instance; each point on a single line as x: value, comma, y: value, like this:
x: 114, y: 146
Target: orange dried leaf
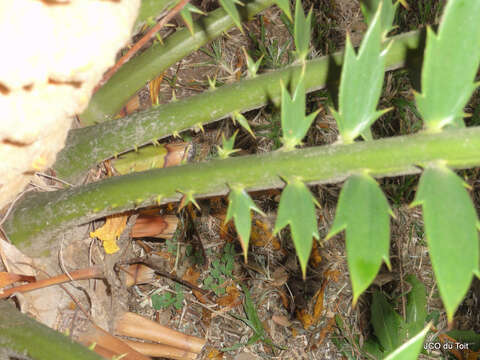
x: 110, y: 231
x: 262, y: 235
x: 332, y: 275
x: 154, y: 87
x: 305, y: 318
x: 315, y: 257
x: 318, y: 298
x: 473, y: 355
x: 192, y: 277
x: 215, y: 354
x: 231, y: 300
x: 206, y: 316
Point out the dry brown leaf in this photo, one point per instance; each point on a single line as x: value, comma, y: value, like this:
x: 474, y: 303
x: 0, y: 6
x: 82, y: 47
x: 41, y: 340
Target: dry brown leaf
x: 192, y: 277
x: 279, y: 277
x: 231, y: 300
x: 281, y: 320
x: 284, y: 298
x: 110, y: 231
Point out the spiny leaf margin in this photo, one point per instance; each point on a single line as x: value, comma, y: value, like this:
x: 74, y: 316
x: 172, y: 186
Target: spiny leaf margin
x: 297, y: 209
x: 239, y: 206
x: 357, y: 104
x: 450, y: 227
x: 363, y: 212
x: 451, y: 60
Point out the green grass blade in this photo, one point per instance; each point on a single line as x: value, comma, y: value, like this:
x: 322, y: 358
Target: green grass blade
x: 416, y: 311
x: 364, y: 212
x: 297, y: 209
x: 450, y: 226
x: 411, y: 349
x: 450, y: 64
x: 387, y: 324
x: 239, y: 206
x: 358, y: 103
x: 252, y: 315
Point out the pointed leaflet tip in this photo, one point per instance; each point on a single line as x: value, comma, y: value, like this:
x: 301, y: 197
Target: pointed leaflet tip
x: 450, y: 227
x: 187, y: 198
x: 231, y: 9
x: 295, y: 124
x: 357, y: 107
x: 284, y: 5
x: 458, y: 35
x: 227, y: 147
x: 301, y: 31
x: 364, y: 212
x: 239, y: 206
x: 237, y: 116
x: 297, y: 209
x: 187, y: 18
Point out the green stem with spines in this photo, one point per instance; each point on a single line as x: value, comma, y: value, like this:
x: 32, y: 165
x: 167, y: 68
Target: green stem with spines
x: 46, y: 214
x: 132, y: 76
x: 85, y: 148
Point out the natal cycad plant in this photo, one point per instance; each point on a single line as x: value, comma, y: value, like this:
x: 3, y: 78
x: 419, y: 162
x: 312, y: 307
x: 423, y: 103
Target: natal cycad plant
x: 451, y: 59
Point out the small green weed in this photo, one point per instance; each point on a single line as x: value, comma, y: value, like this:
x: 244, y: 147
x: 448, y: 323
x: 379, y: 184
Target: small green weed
x: 166, y: 299
x: 275, y: 56
x: 172, y: 245
x: 220, y: 271
x: 272, y: 130
x: 421, y: 13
